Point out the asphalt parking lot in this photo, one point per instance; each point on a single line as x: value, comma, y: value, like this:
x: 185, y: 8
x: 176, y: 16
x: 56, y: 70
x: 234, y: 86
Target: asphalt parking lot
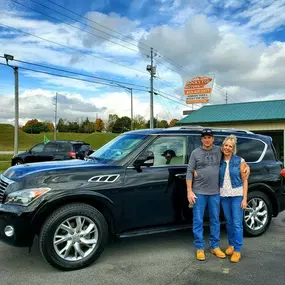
x: 157, y: 259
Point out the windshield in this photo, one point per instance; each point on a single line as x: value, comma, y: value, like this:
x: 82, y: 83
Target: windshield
x: 118, y: 148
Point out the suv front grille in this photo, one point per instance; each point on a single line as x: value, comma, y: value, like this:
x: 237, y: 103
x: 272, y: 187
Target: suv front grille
x: 4, y: 182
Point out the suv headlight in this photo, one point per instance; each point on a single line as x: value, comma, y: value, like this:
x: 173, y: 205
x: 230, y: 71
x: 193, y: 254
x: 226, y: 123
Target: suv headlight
x: 26, y: 196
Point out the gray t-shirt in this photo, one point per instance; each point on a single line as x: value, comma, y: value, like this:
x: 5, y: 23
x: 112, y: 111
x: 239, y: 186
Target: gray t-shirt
x: 207, y: 165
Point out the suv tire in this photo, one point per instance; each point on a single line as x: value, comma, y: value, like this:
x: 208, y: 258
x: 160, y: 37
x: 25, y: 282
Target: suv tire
x: 73, y: 236
x: 258, y: 214
x: 18, y: 162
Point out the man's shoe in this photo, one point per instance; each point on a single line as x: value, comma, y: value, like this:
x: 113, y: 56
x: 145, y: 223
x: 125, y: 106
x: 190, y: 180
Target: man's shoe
x: 217, y: 251
x: 200, y: 254
x: 235, y: 257
x: 229, y: 250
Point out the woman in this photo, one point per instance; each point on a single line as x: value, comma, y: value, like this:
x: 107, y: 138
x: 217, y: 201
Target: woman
x: 233, y: 190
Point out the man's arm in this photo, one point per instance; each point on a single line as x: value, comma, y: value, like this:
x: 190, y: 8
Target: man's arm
x: 246, y: 170
x: 189, y: 178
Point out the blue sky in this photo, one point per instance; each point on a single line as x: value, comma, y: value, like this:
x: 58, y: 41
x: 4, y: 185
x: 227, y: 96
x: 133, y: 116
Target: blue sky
x: 241, y: 42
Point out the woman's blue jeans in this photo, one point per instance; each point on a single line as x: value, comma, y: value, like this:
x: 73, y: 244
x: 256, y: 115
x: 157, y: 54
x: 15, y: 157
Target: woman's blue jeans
x: 213, y: 202
x: 234, y: 218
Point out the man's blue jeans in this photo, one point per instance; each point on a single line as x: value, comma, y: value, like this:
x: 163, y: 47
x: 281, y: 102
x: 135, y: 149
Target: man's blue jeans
x: 213, y: 202
x: 234, y: 216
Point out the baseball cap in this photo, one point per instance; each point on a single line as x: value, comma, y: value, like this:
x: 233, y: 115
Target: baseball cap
x: 207, y: 132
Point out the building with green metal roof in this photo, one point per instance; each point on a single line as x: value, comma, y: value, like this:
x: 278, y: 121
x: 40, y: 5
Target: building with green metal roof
x: 264, y: 117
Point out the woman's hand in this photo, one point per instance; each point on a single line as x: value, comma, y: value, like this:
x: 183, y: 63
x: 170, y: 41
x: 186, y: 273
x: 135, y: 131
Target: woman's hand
x: 195, y: 173
x: 243, y: 204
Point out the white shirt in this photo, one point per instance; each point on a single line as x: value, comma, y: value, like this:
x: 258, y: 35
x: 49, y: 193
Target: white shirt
x: 227, y: 190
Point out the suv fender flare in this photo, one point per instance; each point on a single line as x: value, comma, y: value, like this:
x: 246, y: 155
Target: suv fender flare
x: 97, y: 200
x: 266, y: 189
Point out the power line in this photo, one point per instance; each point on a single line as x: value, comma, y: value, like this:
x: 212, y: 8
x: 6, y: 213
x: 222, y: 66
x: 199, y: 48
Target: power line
x: 79, y: 51
x: 71, y: 24
x: 125, y: 36
x: 166, y: 58
x: 70, y: 77
x: 90, y: 81
x: 77, y: 73
x: 172, y: 62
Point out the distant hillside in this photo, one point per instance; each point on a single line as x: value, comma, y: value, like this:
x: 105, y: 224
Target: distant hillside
x: 7, y: 139
x: 26, y: 141
x: 96, y: 140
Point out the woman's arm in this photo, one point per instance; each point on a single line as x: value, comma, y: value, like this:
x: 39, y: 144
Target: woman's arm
x: 244, y: 177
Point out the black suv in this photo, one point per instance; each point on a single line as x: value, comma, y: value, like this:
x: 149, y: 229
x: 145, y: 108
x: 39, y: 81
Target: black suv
x: 133, y: 185
x: 54, y: 150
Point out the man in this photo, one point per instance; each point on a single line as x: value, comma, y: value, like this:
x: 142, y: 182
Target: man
x: 203, y: 190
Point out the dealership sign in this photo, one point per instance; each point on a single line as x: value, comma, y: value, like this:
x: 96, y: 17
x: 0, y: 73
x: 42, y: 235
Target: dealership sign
x: 198, y: 89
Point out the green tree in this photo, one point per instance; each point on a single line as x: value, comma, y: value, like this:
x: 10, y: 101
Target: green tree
x: 61, y: 126
x: 155, y: 125
x: 139, y: 122
x: 163, y: 124
x: 122, y: 125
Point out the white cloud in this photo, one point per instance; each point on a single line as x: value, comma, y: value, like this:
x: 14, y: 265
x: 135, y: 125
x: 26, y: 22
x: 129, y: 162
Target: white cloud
x: 195, y: 38
x: 39, y: 103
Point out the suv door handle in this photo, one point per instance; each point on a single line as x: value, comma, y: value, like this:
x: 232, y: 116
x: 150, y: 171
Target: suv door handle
x: 180, y: 175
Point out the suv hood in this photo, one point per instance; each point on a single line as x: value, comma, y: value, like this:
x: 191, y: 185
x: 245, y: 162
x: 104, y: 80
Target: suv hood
x: 19, y: 171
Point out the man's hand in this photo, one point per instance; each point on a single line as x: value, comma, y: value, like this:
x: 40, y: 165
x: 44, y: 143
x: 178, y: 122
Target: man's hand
x: 191, y: 197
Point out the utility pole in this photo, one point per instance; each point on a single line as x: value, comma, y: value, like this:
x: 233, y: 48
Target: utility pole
x: 132, y: 106
x: 132, y: 110
x: 16, y: 79
x: 151, y: 69
x: 55, y: 117
x: 226, y: 97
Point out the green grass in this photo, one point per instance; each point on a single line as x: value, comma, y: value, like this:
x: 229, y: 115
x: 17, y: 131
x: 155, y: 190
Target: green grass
x: 6, y: 157
x: 4, y: 165
x: 26, y: 141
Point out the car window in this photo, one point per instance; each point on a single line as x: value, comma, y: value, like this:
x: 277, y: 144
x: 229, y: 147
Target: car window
x: 249, y: 149
x: 64, y: 147
x: 118, y: 148
x: 51, y: 147
x: 38, y: 148
x: 85, y: 147
x: 81, y: 147
x: 168, y: 150
x: 194, y: 141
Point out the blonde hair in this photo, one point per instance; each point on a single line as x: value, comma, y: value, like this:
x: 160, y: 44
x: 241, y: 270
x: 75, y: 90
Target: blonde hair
x: 233, y: 139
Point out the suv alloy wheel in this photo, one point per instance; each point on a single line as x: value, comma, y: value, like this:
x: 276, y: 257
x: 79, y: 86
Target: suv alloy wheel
x: 73, y: 236
x: 258, y: 214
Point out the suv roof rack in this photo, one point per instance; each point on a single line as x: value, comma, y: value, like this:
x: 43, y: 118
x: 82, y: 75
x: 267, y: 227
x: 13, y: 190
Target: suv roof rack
x: 213, y: 128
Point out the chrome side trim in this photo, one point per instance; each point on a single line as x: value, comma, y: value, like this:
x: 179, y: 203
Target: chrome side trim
x: 104, y: 178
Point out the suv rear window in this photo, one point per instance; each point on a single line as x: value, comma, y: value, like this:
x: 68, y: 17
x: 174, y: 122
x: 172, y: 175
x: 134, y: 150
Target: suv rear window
x: 77, y: 146
x: 249, y: 149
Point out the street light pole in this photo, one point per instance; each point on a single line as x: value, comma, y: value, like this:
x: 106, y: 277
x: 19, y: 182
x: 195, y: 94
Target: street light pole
x: 16, y: 82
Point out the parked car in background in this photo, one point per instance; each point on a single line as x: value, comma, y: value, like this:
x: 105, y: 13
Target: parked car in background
x: 54, y: 150
x: 133, y: 185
